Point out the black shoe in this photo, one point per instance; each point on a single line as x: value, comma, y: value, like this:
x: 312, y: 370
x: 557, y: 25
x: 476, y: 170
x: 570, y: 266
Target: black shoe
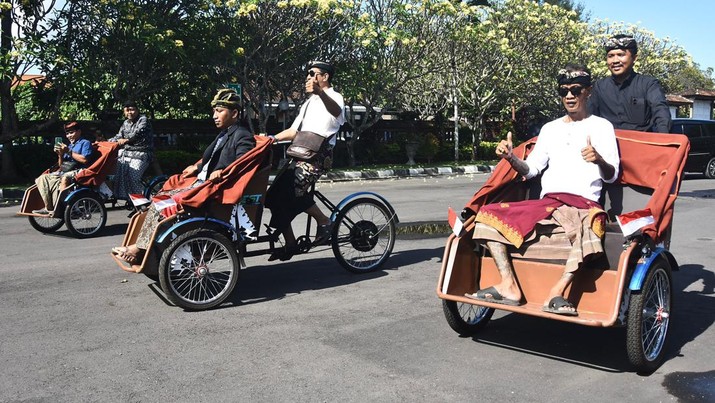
x: 323, y: 234
x: 284, y: 253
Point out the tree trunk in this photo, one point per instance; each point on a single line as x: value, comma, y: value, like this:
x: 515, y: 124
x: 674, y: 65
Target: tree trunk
x: 7, y: 105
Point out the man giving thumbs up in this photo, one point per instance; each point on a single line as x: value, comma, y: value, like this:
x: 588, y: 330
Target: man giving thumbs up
x: 581, y: 153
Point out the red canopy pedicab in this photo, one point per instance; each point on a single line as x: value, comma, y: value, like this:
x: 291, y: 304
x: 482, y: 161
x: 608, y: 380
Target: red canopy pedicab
x: 196, y: 257
x: 80, y: 206
x: 629, y: 286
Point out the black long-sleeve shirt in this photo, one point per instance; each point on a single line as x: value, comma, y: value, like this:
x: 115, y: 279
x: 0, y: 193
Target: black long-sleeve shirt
x: 636, y: 104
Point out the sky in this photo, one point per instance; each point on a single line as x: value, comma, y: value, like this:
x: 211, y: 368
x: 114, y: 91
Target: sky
x: 686, y: 22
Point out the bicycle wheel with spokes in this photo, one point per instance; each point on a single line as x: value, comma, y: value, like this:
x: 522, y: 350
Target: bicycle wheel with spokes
x: 363, y: 235
x: 199, y: 269
x: 85, y: 216
x: 46, y: 224
x: 466, y: 319
x: 649, y: 319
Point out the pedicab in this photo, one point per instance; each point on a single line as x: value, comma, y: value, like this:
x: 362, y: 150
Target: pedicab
x: 196, y: 257
x: 629, y: 286
x: 82, y: 206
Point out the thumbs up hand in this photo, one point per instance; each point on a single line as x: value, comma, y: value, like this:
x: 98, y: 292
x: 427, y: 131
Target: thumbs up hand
x: 589, y: 153
x: 504, y: 148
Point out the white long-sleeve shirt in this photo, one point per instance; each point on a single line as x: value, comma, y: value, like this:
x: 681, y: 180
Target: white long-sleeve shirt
x: 558, y: 148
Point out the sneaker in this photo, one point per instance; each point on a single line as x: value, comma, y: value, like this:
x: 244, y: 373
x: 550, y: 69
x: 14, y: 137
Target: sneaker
x: 42, y: 211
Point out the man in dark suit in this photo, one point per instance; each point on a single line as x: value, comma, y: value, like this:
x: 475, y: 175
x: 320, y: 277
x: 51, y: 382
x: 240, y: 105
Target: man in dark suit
x: 231, y: 143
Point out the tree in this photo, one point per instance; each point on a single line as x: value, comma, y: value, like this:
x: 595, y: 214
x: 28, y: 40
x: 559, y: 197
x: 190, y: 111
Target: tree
x: 34, y: 35
x: 270, y: 59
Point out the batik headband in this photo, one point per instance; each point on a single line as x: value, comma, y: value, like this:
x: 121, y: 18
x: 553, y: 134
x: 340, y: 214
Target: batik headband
x: 574, y: 77
x: 624, y: 42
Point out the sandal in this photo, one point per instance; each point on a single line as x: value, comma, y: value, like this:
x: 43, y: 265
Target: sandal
x: 557, y: 305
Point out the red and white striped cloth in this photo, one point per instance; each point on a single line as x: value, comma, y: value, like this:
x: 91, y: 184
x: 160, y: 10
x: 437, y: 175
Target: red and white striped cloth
x: 634, y: 221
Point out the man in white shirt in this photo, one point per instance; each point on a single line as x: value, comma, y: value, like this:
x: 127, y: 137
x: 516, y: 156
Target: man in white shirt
x: 580, y: 152
x: 322, y: 113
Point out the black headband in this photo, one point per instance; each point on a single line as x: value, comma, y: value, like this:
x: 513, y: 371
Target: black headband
x: 574, y: 77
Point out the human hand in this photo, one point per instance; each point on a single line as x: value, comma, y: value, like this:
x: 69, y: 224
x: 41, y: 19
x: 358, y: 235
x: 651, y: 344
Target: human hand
x: 312, y: 86
x: 215, y: 175
x: 504, y: 148
x: 122, y: 142
x: 589, y: 153
x: 189, y: 171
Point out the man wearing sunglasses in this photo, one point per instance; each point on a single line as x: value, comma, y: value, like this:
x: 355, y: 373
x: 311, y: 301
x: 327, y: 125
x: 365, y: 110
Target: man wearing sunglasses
x: 581, y: 153
x: 321, y: 113
x: 70, y: 159
x: 627, y: 99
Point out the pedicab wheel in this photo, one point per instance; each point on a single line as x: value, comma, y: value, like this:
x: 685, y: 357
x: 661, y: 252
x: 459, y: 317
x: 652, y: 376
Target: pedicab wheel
x: 199, y: 269
x: 85, y: 216
x: 466, y: 319
x: 648, y: 319
x: 363, y: 235
x: 46, y: 224
x: 710, y: 169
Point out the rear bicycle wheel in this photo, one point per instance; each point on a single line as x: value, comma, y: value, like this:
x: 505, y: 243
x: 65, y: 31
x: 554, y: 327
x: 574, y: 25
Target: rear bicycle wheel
x: 363, y: 235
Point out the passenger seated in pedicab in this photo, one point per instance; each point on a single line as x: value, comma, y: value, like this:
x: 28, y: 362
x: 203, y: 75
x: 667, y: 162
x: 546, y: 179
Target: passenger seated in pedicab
x: 70, y: 160
x: 580, y: 152
x: 290, y: 194
x: 231, y: 143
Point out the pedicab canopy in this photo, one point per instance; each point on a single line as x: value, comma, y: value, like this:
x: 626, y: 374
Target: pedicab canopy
x: 230, y: 186
x: 105, y: 153
x: 650, y: 160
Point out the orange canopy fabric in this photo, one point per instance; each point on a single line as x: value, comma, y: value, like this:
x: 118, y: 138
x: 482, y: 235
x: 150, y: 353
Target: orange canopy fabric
x: 651, y: 160
x: 230, y: 186
x: 96, y: 173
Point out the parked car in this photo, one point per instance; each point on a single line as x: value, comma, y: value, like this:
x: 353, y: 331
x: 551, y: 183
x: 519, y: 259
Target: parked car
x: 702, y: 144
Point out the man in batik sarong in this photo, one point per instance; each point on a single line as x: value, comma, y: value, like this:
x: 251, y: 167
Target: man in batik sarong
x: 581, y: 153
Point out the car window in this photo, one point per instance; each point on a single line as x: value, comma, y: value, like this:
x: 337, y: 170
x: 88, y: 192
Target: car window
x: 709, y: 129
x: 692, y: 131
x: 677, y: 128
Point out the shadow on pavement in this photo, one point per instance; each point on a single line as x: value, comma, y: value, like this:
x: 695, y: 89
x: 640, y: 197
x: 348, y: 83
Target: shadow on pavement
x: 605, y: 348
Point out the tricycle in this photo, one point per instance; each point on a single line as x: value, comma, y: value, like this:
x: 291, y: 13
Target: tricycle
x: 628, y: 286
x: 82, y: 206
x: 196, y: 255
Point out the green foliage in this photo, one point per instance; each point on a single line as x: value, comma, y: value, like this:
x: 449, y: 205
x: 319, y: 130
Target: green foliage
x: 32, y: 159
x: 174, y: 161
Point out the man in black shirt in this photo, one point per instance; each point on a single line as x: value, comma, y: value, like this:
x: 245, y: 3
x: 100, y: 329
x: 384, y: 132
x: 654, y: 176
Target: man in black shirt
x: 627, y: 99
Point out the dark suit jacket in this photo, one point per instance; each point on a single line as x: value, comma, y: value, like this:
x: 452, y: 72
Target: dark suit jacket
x: 239, y: 141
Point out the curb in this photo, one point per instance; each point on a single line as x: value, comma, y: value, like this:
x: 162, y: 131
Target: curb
x: 405, y: 173
x: 342, y: 176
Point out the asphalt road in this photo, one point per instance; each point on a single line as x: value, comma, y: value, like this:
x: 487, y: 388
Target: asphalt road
x: 73, y: 327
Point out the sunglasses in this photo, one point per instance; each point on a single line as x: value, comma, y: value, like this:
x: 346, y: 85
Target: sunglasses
x: 70, y: 131
x: 313, y: 73
x: 576, y: 90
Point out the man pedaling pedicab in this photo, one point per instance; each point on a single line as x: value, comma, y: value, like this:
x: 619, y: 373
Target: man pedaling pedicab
x: 231, y: 143
x: 580, y: 152
x: 70, y: 159
x: 290, y: 194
